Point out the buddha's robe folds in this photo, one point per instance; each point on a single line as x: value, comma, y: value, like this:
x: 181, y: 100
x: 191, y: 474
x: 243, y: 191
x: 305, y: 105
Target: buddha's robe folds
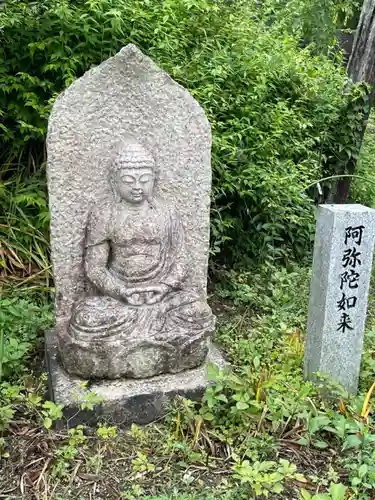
x: 143, y: 249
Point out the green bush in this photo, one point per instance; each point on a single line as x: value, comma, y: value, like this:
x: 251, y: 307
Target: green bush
x: 272, y: 105
x: 316, y: 22
x: 22, y: 322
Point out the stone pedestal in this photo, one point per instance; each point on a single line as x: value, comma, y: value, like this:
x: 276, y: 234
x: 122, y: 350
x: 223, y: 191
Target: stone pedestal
x: 343, y: 255
x: 125, y: 401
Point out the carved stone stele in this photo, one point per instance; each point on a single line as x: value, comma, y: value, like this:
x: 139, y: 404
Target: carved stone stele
x: 129, y: 182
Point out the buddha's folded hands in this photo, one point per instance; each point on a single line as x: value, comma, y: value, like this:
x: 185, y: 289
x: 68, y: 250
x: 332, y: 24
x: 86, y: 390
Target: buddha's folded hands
x: 141, y: 295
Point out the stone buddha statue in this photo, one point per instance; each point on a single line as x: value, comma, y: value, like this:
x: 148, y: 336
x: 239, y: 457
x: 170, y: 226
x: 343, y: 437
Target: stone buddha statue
x: 139, y: 317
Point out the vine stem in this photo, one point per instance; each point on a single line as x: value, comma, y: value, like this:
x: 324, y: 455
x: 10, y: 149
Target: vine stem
x: 338, y: 177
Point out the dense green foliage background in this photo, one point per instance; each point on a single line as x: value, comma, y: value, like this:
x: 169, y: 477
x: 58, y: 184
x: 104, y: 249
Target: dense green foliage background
x: 268, y: 75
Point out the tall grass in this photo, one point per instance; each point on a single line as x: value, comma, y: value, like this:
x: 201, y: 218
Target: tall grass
x: 24, y: 224
x: 1, y: 351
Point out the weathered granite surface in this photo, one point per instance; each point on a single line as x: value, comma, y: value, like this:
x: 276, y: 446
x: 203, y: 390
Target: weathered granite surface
x: 124, y: 401
x: 342, y: 265
x: 129, y: 182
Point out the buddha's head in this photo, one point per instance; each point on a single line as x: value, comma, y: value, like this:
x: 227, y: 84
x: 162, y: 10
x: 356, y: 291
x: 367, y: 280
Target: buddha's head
x: 133, y: 173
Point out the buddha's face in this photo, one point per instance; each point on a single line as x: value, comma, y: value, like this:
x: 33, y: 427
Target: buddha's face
x: 135, y: 185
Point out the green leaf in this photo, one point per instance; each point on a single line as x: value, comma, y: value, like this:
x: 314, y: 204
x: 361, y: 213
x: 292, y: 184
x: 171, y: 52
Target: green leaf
x: 362, y: 471
x: 212, y: 371
x: 34, y: 399
x: 352, y: 441
x: 317, y: 423
x: 303, y: 442
x: 47, y: 422
x: 356, y: 481
x: 222, y: 397
x: 320, y: 444
x: 277, y: 488
x: 338, y: 491
x: 241, y: 405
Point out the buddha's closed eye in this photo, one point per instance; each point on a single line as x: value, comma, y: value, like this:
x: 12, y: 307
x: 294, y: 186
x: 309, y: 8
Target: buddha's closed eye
x: 129, y: 179
x: 145, y: 178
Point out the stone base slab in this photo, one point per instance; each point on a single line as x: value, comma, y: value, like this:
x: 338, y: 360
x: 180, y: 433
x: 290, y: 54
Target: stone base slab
x: 125, y: 401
